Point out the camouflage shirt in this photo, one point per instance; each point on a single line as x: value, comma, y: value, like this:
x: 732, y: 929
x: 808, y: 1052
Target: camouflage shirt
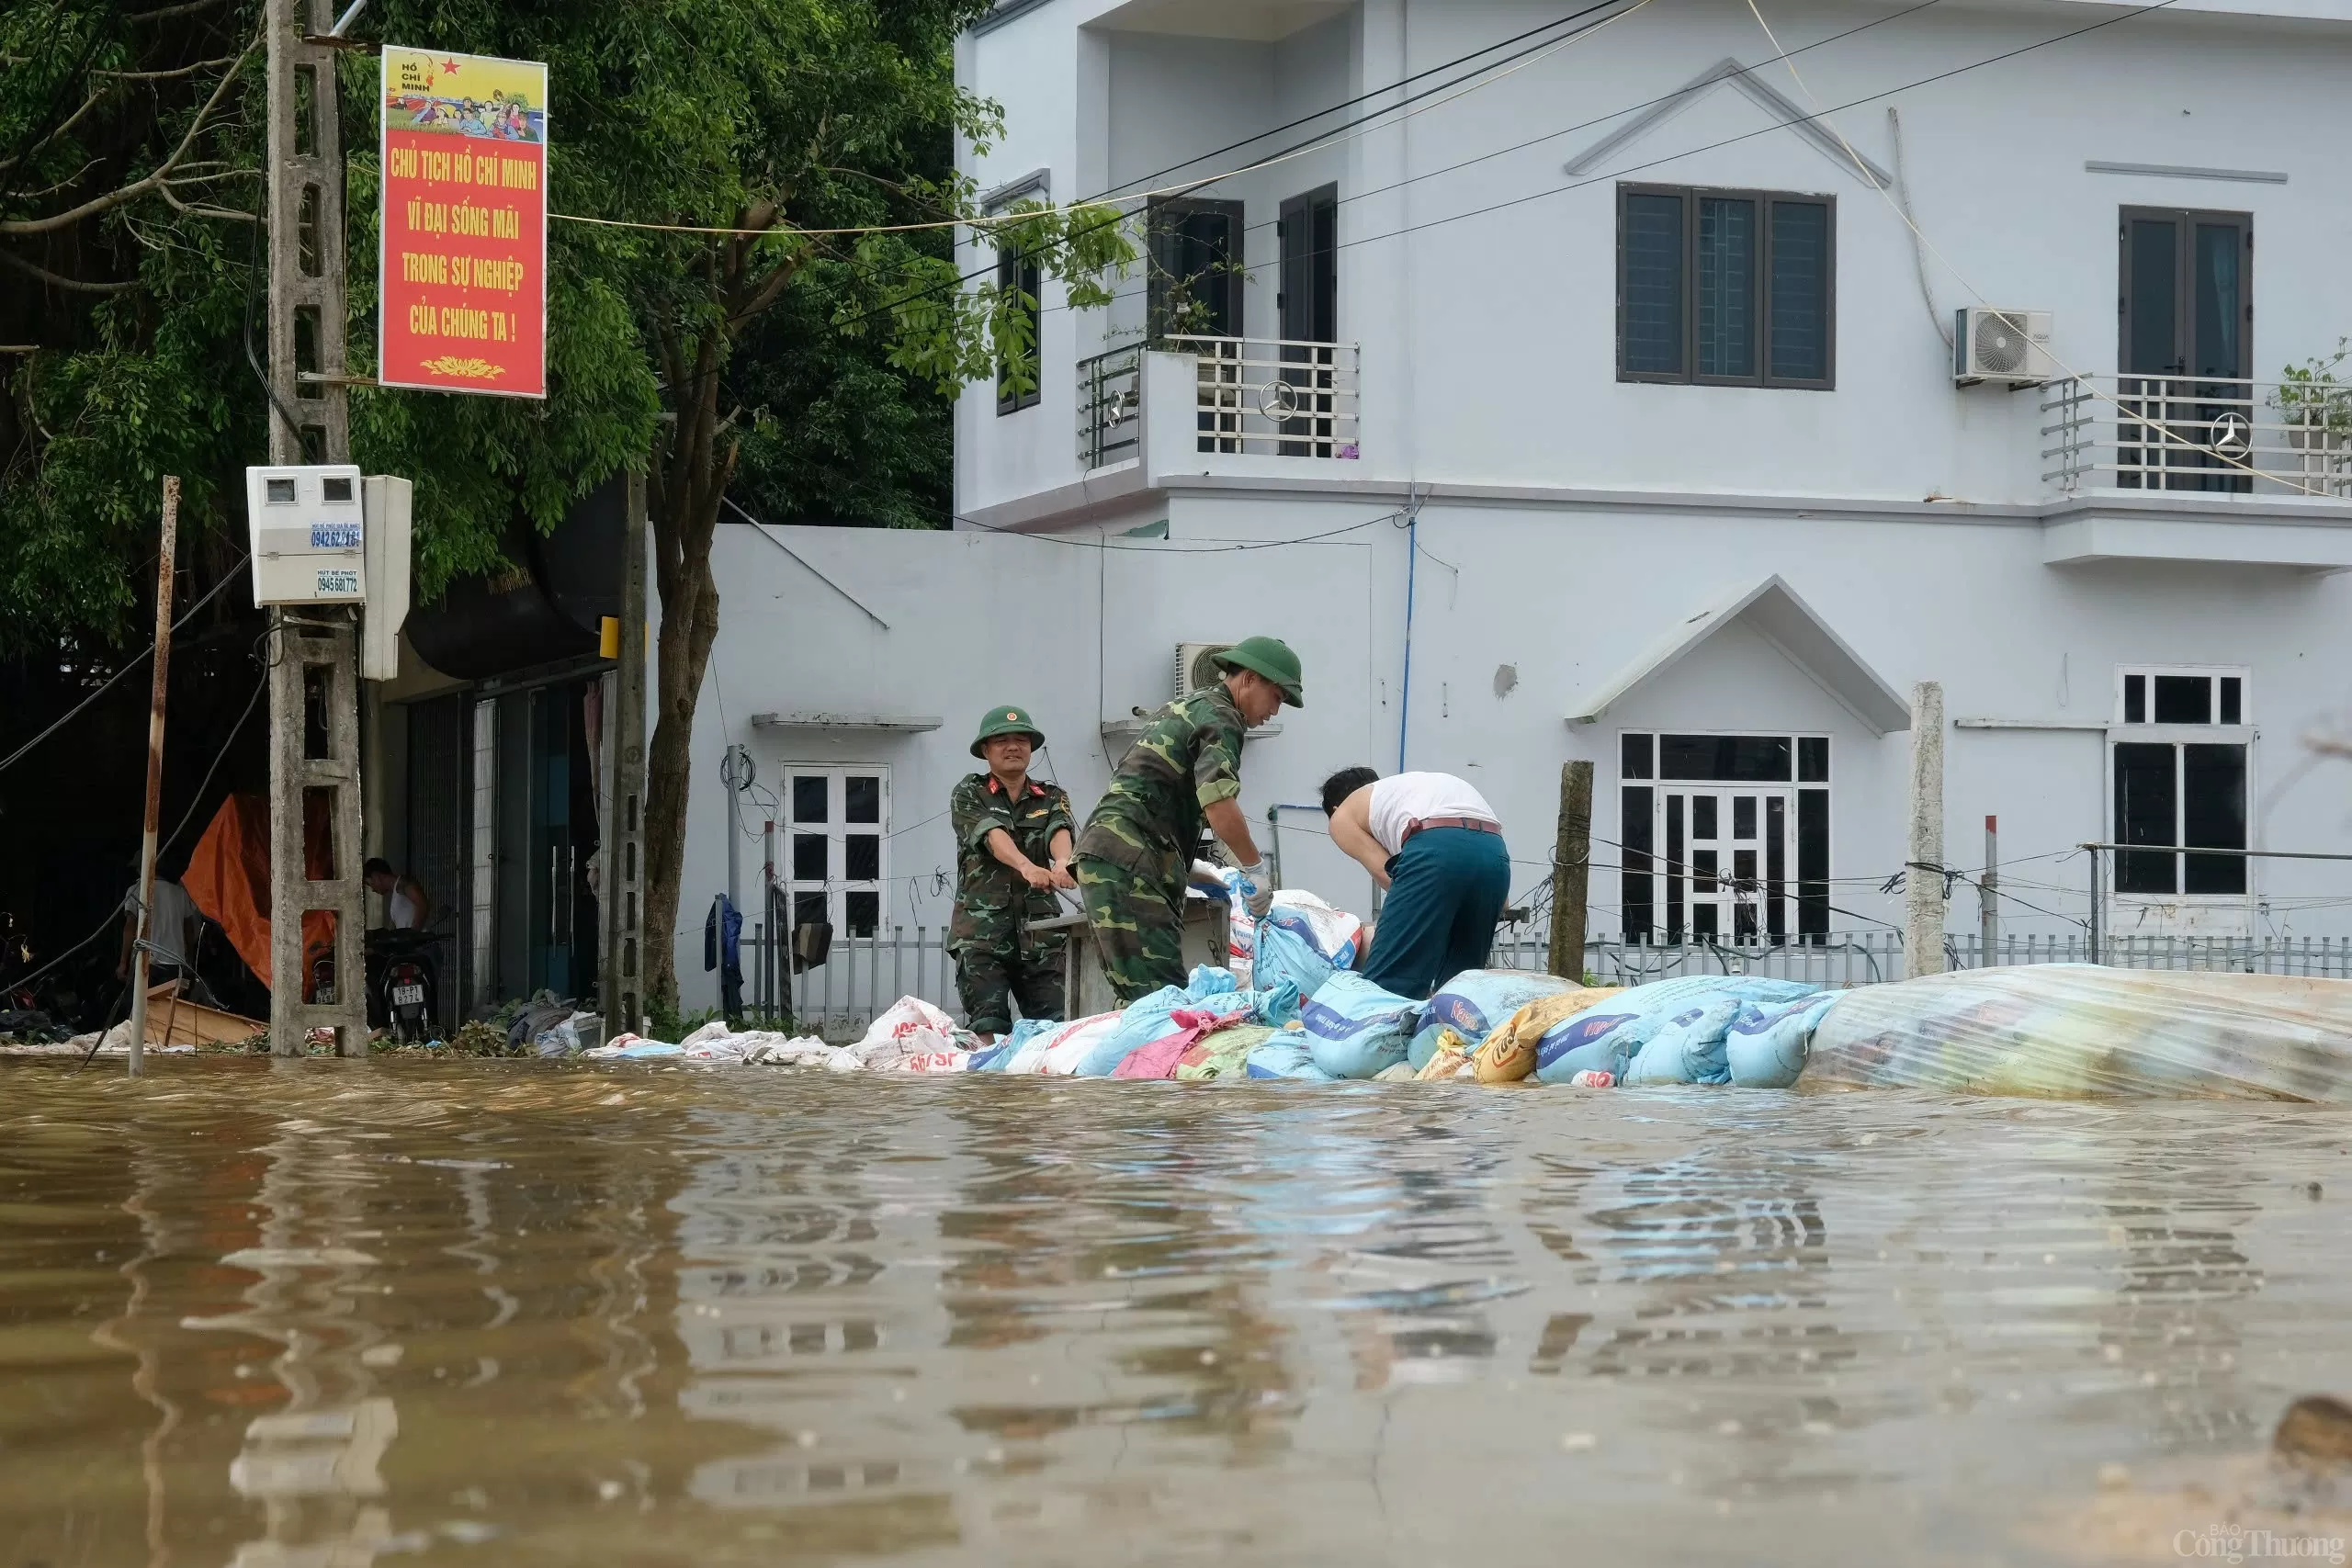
x: 991, y: 900
x: 1188, y: 759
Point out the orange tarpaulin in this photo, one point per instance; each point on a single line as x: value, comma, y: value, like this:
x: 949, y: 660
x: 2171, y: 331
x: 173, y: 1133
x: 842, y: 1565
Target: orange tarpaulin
x: 228, y: 878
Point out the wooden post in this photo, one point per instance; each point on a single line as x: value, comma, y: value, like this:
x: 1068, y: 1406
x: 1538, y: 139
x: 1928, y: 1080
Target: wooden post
x: 621, y: 978
x: 1988, y: 895
x: 1923, y: 940
x: 306, y: 417
x: 138, y: 957
x: 1571, y: 871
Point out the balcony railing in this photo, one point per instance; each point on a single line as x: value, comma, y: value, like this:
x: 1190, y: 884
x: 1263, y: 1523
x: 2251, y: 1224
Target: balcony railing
x: 1110, y: 406
x: 1289, y: 397
x: 2186, y: 432
x: 1267, y: 396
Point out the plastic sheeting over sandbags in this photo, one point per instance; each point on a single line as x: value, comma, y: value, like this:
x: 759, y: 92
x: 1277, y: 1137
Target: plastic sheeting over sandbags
x: 1475, y: 1002
x: 2081, y: 1030
x: 1667, y: 1032
x: 1354, y: 1029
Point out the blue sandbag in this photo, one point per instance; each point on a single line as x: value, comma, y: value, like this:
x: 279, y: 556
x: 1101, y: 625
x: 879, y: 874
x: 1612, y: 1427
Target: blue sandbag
x: 1611, y: 1035
x: 994, y: 1058
x: 1284, y: 1057
x: 1354, y: 1028
x: 1474, y: 1002
x: 1285, y: 956
x: 1766, y: 1046
x: 1687, y: 1047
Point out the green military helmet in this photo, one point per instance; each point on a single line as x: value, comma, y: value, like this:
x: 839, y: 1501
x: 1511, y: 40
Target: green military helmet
x: 1269, y: 657
x: 1006, y: 720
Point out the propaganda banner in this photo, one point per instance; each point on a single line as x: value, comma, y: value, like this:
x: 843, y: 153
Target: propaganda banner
x: 463, y: 259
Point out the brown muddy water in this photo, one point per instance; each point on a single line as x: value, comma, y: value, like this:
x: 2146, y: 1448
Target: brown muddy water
x: 334, y: 1315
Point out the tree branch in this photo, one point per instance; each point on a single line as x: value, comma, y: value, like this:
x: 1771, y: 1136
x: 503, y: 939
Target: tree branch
x: 151, y: 180
x: 164, y: 75
x: 166, y: 12
x: 77, y: 285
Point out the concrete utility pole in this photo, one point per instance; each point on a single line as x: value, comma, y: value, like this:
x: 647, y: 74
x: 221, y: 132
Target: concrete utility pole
x: 620, y: 978
x: 1923, y: 939
x: 1988, y: 894
x: 163, y: 578
x: 1571, y: 871
x: 313, y: 655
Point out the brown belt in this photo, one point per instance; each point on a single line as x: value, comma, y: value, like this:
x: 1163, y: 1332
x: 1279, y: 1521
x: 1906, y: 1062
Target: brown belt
x: 1476, y: 824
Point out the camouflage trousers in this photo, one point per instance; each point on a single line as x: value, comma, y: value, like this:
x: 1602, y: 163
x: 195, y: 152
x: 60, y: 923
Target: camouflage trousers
x: 991, y: 978
x: 1139, y: 926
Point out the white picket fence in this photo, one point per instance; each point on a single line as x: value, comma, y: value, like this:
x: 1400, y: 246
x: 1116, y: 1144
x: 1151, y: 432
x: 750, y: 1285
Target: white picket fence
x: 862, y: 975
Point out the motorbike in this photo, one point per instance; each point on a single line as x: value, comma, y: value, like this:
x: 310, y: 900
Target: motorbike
x: 403, y: 982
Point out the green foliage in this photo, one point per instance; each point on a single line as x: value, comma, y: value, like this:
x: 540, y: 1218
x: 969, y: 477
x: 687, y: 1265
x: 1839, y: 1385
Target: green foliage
x: 823, y: 365
x: 2311, y: 397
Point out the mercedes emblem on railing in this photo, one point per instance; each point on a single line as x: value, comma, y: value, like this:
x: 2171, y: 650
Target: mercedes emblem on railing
x: 1277, y: 400
x: 2232, y: 435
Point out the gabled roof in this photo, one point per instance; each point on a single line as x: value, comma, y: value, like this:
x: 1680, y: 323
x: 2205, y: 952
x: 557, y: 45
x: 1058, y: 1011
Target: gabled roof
x: 1810, y: 127
x: 1772, y: 610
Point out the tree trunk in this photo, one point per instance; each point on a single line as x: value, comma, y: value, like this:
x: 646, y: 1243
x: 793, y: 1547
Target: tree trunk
x: 688, y: 481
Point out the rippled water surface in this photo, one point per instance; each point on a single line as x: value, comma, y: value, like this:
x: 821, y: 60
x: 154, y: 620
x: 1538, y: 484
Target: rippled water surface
x: 331, y: 1315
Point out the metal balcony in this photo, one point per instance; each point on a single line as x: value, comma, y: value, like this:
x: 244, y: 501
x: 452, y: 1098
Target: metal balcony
x: 2185, y: 433
x: 1263, y: 397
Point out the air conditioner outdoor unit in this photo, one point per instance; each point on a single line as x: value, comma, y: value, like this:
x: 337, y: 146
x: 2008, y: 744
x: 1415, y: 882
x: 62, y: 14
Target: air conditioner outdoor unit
x: 1196, y: 666
x: 2010, y: 349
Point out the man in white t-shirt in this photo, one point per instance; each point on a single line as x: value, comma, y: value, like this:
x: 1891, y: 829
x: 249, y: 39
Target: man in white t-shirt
x: 1435, y: 844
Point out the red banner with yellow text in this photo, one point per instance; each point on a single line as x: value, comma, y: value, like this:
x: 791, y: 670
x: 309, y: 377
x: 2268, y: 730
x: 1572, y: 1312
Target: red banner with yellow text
x: 463, y: 264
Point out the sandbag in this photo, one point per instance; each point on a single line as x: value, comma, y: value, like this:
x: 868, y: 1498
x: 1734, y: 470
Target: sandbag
x: 912, y: 1031
x: 1285, y: 1057
x: 1450, y: 1055
x: 1354, y: 1028
x: 1474, y: 1002
x: 1689, y: 1010
x: 1000, y: 1057
x: 1402, y: 1072
x: 1221, y: 1054
x: 1512, y: 1049
x: 1304, y: 942
x: 2083, y: 1031
x: 1066, y: 1047
x: 1766, y: 1046
x: 1211, y: 989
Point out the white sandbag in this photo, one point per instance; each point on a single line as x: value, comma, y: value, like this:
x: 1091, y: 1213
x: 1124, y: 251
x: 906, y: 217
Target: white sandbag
x: 911, y: 1027
x: 1354, y: 1029
x: 1070, y: 1044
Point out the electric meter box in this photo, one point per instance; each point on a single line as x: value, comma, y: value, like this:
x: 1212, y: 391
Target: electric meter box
x: 309, y: 534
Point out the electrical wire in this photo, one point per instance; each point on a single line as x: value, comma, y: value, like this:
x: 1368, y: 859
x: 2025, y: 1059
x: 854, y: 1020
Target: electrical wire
x: 227, y: 577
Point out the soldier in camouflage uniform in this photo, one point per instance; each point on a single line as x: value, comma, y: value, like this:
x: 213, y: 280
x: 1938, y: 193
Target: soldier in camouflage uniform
x: 1012, y: 850
x: 1134, y: 856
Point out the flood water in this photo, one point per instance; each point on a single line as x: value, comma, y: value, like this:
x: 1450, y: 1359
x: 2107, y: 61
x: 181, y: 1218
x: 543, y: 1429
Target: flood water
x: 332, y: 1315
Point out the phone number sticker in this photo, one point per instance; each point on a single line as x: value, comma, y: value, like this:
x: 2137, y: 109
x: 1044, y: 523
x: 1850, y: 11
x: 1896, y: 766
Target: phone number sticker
x: 338, y: 581
x: 334, y: 535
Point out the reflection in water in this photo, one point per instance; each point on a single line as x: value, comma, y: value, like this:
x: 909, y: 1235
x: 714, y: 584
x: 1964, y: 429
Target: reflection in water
x: 345, y: 1315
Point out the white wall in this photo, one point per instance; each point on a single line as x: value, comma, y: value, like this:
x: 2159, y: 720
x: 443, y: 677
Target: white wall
x: 1489, y: 337
x: 1568, y: 597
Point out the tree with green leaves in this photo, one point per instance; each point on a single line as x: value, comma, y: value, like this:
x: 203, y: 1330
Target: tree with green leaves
x: 770, y: 266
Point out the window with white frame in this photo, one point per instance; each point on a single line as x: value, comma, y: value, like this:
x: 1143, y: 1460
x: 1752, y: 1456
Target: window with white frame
x: 2177, y: 760
x: 835, y: 857
x: 1725, y: 837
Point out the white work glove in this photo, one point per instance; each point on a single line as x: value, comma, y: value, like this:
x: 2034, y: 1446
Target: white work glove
x: 1257, y: 888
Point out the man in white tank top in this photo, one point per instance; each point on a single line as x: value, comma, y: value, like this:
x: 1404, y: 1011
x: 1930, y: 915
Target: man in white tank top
x: 406, y: 907
x: 1437, y: 847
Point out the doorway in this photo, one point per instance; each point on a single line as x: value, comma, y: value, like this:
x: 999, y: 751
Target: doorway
x: 2186, y: 320
x: 1308, y: 308
x: 1196, y: 300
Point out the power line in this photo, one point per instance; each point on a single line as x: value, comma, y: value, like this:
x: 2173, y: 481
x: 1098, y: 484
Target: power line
x: 226, y: 579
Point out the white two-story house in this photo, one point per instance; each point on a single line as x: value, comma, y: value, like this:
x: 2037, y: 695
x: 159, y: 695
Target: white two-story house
x: 1580, y: 382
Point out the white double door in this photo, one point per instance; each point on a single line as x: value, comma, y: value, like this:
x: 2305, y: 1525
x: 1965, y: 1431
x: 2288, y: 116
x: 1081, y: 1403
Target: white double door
x: 1728, y: 860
